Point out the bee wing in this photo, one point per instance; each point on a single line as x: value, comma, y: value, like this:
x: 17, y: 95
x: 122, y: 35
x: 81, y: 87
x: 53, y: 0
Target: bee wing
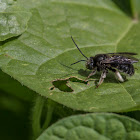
x: 124, y: 53
x: 122, y: 58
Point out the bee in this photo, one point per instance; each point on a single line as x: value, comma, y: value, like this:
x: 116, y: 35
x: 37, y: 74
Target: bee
x: 115, y: 62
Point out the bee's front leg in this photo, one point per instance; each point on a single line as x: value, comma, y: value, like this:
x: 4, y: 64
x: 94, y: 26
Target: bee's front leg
x: 92, y: 73
x: 103, y: 76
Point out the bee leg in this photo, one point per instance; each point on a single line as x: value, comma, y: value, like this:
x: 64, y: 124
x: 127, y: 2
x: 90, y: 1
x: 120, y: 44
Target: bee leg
x: 103, y: 76
x: 92, y: 73
x: 118, y: 75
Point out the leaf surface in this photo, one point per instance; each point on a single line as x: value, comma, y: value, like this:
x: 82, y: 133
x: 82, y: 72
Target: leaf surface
x: 93, y: 126
x: 44, y: 52
x: 12, y: 87
x: 13, y: 21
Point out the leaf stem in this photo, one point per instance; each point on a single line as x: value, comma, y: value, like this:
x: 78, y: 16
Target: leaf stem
x: 50, y: 108
x: 36, y: 115
x: 135, y: 8
x: 37, y: 112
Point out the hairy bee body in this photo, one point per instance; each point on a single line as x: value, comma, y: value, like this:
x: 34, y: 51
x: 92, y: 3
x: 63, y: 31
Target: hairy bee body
x: 128, y: 69
x: 116, y: 62
x: 113, y: 62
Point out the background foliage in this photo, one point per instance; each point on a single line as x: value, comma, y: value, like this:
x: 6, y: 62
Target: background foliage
x: 36, y: 51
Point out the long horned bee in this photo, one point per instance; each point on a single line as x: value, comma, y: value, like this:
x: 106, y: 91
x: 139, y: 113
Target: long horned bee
x: 115, y: 62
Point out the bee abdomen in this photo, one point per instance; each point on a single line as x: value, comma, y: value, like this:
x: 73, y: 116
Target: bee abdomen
x: 128, y: 69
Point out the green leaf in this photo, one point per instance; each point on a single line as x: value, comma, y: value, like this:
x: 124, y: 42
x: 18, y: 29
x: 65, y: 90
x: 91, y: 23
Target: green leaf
x: 135, y: 9
x: 93, y: 126
x: 42, y: 115
x: 44, y: 52
x: 46, y: 112
x: 126, y: 6
x: 28, y: 4
x: 14, y: 88
x: 12, y: 22
x: 130, y: 7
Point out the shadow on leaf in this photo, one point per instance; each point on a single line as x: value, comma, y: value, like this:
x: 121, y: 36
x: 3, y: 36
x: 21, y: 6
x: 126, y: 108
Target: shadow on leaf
x: 9, y: 39
x: 110, y: 76
x: 62, y: 84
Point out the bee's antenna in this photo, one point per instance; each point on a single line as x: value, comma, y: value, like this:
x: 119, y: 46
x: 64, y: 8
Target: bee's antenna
x: 77, y: 62
x: 78, y: 48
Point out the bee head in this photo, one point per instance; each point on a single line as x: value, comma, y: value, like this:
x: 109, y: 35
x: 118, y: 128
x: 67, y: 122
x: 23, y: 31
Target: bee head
x: 90, y: 63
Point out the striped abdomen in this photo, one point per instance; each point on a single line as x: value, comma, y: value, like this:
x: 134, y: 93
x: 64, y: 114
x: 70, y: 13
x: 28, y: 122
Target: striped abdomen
x: 127, y: 68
